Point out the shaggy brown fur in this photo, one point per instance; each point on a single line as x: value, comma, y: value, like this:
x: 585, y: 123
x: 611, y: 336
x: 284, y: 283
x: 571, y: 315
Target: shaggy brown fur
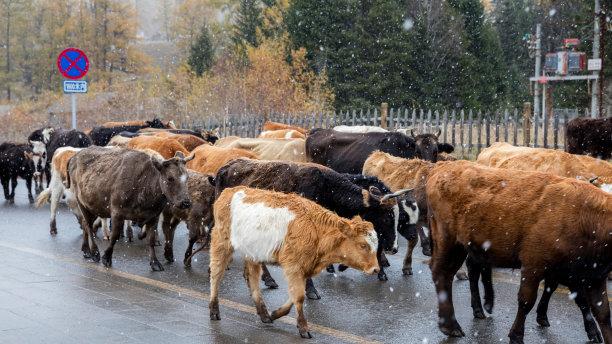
x: 315, y: 238
x: 209, y: 159
x: 167, y: 147
x: 551, y: 227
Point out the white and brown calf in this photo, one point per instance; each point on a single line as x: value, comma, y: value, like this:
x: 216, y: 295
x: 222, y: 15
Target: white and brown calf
x: 285, y: 229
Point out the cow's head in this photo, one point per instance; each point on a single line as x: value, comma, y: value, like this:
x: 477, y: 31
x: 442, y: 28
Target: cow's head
x: 210, y: 135
x: 426, y: 145
x: 156, y: 123
x: 384, y: 212
x: 358, y: 249
x: 173, y: 179
x: 39, y: 156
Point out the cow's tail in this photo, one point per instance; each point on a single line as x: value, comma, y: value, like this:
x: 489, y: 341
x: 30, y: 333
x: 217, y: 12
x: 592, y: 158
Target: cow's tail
x: 68, y: 181
x: 43, y: 198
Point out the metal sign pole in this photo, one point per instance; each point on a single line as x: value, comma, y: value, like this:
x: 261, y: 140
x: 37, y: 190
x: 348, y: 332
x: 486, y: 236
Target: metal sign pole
x: 538, y: 73
x: 74, y: 114
x: 595, y: 88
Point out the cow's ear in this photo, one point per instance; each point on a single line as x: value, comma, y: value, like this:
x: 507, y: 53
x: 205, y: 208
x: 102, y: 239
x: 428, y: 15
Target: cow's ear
x: 179, y: 155
x: 439, y: 132
x: 445, y: 147
x: 374, y: 193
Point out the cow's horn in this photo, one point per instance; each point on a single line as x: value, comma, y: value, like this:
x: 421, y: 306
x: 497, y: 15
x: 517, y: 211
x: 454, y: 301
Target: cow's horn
x: 179, y: 155
x: 593, y: 180
x: 439, y: 132
x: 395, y: 194
x: 190, y: 157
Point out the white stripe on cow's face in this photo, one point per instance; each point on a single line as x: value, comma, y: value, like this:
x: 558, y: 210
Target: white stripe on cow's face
x: 183, y: 178
x: 257, y: 231
x: 396, y: 215
x: 412, y: 211
x: 372, y: 240
x: 46, y: 133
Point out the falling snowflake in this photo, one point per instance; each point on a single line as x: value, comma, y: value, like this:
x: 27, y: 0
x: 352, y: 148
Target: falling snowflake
x: 408, y: 24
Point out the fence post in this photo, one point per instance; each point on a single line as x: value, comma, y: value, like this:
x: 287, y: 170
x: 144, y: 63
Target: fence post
x: 526, y: 124
x: 384, y: 107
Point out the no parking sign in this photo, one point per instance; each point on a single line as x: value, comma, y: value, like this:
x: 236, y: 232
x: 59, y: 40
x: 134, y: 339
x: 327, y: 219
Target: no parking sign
x: 73, y: 64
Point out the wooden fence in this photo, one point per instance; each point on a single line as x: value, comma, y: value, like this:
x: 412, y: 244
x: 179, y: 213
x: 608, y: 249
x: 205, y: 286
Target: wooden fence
x: 468, y: 131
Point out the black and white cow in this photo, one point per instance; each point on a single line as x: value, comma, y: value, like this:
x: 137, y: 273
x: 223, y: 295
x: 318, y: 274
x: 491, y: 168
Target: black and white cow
x: 347, y: 152
x: 17, y: 160
x: 324, y: 186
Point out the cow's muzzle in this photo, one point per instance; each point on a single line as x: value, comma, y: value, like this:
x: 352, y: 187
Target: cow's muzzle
x: 185, y: 204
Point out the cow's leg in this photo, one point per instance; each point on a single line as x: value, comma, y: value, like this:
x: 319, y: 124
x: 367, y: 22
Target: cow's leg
x: 311, y: 291
x: 117, y: 226
x: 590, y: 326
x: 220, y: 257
x: 89, y: 247
x: 597, y: 297
x: 29, y: 187
x: 444, y: 264
x: 48, y: 175
x: 296, y: 287
x: 129, y: 230
x: 13, y: 187
x: 267, y: 278
x: 5, y: 186
x: 527, y: 295
x: 194, y: 235
x: 57, y: 190
x: 407, y: 266
x: 550, y: 285
x: 252, y: 271
x: 151, y: 230
x: 382, y: 276
x: 169, y: 224
x: 474, y: 268
x: 105, y: 229
x: 487, y: 281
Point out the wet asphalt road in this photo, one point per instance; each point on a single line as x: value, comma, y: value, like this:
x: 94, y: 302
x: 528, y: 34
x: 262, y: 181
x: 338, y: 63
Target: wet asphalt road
x: 50, y: 294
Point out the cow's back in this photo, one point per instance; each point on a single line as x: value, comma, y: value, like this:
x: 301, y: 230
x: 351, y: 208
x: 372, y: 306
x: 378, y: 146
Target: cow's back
x: 209, y: 159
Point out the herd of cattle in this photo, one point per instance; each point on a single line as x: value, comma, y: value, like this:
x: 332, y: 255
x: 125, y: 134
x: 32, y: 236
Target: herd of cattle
x: 306, y: 200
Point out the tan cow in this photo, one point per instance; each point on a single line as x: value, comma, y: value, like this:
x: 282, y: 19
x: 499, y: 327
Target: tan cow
x: 167, y: 147
x: 209, y: 159
x: 560, y: 163
x: 285, y: 229
x: 190, y: 142
x: 282, y: 134
x: 551, y: 227
x: 270, y: 149
x: 270, y: 126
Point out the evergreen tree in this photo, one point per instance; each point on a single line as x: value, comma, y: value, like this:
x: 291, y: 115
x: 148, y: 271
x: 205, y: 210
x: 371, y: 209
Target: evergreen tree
x: 248, y: 19
x: 201, y: 53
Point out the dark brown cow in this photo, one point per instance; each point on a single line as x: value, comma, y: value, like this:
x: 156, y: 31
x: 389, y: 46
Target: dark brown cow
x: 553, y: 228
x: 591, y: 136
x: 124, y: 185
x: 197, y: 217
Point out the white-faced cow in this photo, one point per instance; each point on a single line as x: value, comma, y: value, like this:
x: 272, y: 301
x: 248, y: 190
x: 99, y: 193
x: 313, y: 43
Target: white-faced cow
x: 124, y: 185
x: 324, y: 186
x: 347, y: 152
x: 277, y: 228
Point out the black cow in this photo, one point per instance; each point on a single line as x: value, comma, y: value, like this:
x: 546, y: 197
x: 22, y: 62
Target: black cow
x: 100, y: 136
x: 592, y: 136
x: 347, y: 152
x: 406, y: 220
x: 324, y: 186
x: 16, y: 160
x: 54, y: 138
x: 206, y: 135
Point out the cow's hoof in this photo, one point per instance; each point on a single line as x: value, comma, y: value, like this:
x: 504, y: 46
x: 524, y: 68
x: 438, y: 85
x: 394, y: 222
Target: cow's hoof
x: 407, y: 271
x: 142, y: 235
x: 31, y: 199
x: 214, y: 315
x: 53, y: 231
x: 96, y: 257
x: 453, y: 331
x: 488, y: 306
x: 305, y: 334
x: 543, y: 321
x: 462, y: 275
x: 516, y: 339
x: 156, y: 266
x: 86, y: 255
x: 342, y: 267
x: 382, y: 276
x: 479, y: 314
x: 11, y: 201
x: 169, y: 255
x: 106, y: 238
x: 107, y: 260
x: 312, y: 294
x: 330, y: 269
x: 427, y: 251
x: 265, y: 318
x: 270, y: 283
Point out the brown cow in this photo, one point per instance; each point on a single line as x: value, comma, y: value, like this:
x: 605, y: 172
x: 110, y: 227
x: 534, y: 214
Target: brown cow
x: 504, y: 155
x: 552, y: 227
x: 592, y: 136
x: 209, y: 159
x: 197, y: 217
x: 269, y: 149
x: 282, y: 134
x: 271, y: 126
x: 190, y: 142
x: 167, y: 147
x: 125, y: 185
x: 296, y: 233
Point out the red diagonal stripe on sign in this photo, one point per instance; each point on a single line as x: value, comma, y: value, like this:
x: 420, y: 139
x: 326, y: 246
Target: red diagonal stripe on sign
x: 73, y: 63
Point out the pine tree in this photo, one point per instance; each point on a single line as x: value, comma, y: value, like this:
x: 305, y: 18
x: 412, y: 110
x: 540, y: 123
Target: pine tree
x: 201, y: 53
x: 248, y: 19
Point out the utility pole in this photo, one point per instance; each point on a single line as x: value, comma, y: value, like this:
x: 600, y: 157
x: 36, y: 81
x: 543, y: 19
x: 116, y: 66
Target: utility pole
x: 596, y: 37
x: 538, y: 72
